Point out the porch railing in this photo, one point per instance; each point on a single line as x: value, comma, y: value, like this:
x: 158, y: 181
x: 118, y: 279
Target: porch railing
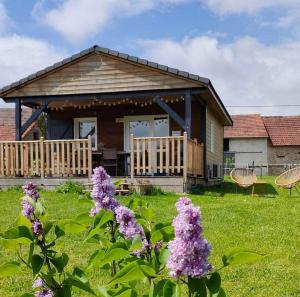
x: 46, y: 158
x: 172, y: 155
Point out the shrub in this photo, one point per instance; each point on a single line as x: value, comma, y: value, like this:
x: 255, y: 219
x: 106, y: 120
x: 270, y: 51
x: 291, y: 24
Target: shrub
x: 70, y: 187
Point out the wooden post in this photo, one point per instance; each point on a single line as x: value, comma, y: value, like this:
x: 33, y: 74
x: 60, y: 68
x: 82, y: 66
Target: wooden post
x: 185, y: 158
x: 42, y: 156
x: 90, y: 166
x: 131, y: 157
x: 188, y: 112
x: 18, y: 113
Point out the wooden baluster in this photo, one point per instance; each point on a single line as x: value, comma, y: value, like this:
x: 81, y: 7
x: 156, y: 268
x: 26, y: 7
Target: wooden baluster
x: 26, y: 159
x: 68, y: 158
x: 57, y: 158
x: 84, y: 157
x: 173, y: 155
x: 178, y: 156
x: 185, y: 158
x: 63, y: 157
x: 132, y: 165
x: 52, y: 154
x: 144, y: 155
x: 42, y: 157
x: 12, y: 159
x: 138, y: 156
x: 90, y: 160
x: 161, y: 159
x: 79, y: 157
x: 17, y: 162
x: 73, y: 158
x: 47, y: 170
x: 37, y: 159
x: 167, y: 156
x: 149, y: 156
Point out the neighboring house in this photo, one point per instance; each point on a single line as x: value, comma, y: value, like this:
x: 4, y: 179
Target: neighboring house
x: 8, y: 127
x: 284, y: 141
x: 270, y: 141
x: 246, y: 142
x: 120, y: 100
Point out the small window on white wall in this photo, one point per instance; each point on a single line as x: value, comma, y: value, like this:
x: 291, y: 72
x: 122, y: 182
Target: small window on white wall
x: 212, y: 136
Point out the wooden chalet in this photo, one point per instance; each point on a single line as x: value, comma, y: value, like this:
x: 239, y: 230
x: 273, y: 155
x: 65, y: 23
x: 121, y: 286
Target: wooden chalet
x: 136, y: 118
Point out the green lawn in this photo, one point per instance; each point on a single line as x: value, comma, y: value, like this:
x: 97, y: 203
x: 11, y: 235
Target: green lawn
x: 269, y: 223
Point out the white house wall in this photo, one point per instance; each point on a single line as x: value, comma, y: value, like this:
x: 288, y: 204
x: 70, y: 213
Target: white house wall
x: 249, y: 150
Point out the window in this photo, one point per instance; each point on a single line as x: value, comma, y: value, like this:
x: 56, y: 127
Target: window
x: 85, y: 127
x: 145, y: 126
x: 212, y: 136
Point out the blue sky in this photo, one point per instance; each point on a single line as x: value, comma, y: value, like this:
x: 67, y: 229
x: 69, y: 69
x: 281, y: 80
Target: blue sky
x: 249, y: 49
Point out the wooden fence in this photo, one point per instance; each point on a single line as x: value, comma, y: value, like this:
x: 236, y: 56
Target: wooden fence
x: 46, y: 158
x: 172, y: 155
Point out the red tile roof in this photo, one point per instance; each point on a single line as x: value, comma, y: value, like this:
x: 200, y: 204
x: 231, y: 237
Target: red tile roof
x: 246, y: 126
x: 283, y: 130
x: 7, y: 122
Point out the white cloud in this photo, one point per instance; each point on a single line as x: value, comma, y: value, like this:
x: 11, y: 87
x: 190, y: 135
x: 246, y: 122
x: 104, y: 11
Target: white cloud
x: 21, y: 56
x: 5, y: 21
x: 245, y: 72
x: 247, y: 6
x: 77, y: 20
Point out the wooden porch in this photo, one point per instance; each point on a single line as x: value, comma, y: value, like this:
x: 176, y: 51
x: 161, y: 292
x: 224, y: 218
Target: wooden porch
x: 176, y: 156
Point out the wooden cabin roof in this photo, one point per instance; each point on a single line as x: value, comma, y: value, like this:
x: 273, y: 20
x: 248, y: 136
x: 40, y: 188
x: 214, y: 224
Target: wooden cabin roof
x: 101, y: 70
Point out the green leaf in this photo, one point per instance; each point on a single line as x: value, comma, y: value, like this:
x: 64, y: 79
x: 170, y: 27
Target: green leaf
x: 165, y: 233
x: 126, y: 293
x: 240, y: 256
x: 115, y: 254
x: 18, y: 232
x: 58, y: 232
x: 13, y: 243
x: 221, y: 293
x: 137, y: 243
x: 119, y: 182
x: 169, y: 289
x: 80, y: 275
x: 148, y: 270
x: 147, y: 213
x: 22, y: 221
x: 156, y: 289
x: 197, y: 287
x: 128, y: 273
x: 93, y: 232
x: 36, y: 263
x: 214, y: 284
x: 103, y: 217
x: 39, y: 208
x: 163, y: 256
x: 83, y: 218
x: 71, y: 226
x: 72, y: 281
x: 60, y: 262
x: 47, y: 226
x: 9, y: 269
x: 102, y: 292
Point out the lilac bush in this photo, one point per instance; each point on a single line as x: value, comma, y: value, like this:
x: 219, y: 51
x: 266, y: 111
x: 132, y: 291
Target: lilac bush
x: 189, y: 251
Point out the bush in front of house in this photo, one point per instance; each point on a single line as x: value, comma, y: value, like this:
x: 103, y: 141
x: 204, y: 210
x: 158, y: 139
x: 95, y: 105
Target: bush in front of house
x: 70, y: 187
x: 172, y: 258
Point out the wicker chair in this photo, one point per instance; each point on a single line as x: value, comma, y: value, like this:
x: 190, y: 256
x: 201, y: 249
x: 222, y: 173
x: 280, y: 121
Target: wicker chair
x: 243, y: 177
x: 289, y: 179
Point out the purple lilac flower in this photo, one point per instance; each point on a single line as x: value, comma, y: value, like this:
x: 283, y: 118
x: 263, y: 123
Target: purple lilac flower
x: 27, y: 209
x: 38, y: 283
x: 30, y: 189
x: 158, y: 245
x: 103, y: 192
x: 127, y: 223
x: 44, y: 293
x: 189, y: 251
x: 37, y: 228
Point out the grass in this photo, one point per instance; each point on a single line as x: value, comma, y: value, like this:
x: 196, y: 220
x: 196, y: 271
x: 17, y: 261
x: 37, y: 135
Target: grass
x: 269, y: 223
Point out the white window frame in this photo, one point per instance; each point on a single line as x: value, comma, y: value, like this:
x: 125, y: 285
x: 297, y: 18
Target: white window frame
x: 128, y: 119
x: 212, y: 136
x: 76, y: 131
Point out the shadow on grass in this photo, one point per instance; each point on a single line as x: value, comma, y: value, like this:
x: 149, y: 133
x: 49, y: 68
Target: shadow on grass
x: 265, y: 190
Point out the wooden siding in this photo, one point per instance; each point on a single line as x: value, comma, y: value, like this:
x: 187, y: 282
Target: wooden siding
x: 215, y: 157
x: 99, y: 73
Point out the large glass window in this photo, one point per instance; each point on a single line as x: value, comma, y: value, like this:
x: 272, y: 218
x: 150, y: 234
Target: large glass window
x: 85, y: 127
x: 145, y: 126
